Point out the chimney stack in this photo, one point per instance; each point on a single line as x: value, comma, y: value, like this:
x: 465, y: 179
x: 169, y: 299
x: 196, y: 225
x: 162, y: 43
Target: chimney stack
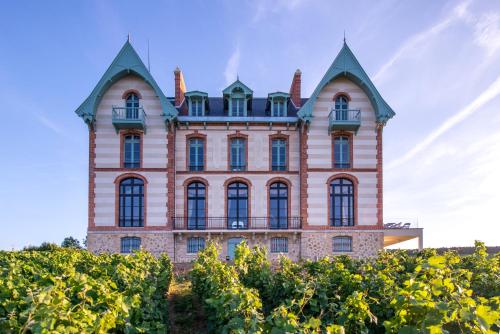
x: 180, y: 87
x: 295, y: 89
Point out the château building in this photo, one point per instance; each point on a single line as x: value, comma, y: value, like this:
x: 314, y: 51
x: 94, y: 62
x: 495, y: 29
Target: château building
x: 301, y: 176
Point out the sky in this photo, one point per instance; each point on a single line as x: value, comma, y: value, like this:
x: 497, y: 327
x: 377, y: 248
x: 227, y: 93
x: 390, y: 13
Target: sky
x: 437, y: 64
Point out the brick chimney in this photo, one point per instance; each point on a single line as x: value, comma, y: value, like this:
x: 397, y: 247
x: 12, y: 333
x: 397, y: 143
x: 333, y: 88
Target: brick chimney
x: 295, y: 89
x: 180, y: 87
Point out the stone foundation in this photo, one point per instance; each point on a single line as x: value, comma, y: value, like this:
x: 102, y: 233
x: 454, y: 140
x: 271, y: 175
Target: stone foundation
x: 109, y: 242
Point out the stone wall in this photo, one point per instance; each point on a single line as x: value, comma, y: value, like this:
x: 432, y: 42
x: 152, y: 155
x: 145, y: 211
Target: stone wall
x: 316, y: 245
x: 109, y: 242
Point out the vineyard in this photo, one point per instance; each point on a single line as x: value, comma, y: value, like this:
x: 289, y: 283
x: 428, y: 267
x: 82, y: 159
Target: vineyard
x: 73, y: 291
x: 394, y: 293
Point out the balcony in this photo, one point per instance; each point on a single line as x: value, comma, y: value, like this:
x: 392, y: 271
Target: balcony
x: 227, y: 223
x: 129, y: 118
x: 344, y: 119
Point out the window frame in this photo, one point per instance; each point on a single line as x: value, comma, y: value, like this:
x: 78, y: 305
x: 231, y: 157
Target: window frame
x: 199, y: 102
x: 131, y: 245
x: 203, y: 138
x: 343, y: 238
x: 350, y: 143
x: 230, y: 139
x: 197, y: 247
x: 330, y: 201
x: 118, y: 183
x: 276, y: 242
x: 280, y: 183
x: 132, y: 112
x: 227, y: 186
x: 197, y: 198
x: 133, y: 164
x: 285, y: 138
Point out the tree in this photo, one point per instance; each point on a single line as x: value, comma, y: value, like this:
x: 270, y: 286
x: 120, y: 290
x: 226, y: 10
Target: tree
x: 70, y: 242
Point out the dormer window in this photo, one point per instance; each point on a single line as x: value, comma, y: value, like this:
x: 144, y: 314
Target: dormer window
x: 277, y: 103
x: 237, y: 99
x: 196, y: 103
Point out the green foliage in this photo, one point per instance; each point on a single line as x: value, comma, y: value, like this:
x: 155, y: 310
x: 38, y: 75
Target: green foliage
x: 70, y: 242
x: 44, y: 246
x: 74, y: 291
x: 393, y: 293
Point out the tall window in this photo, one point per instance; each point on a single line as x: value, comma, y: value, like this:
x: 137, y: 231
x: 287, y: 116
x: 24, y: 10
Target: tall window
x: 196, y: 107
x: 238, y: 107
x: 342, y: 244
x: 237, y: 206
x: 132, y: 151
x: 196, y: 154
x: 196, y: 203
x: 341, y: 106
x: 278, y: 205
x: 131, y: 208
x: 195, y: 244
x: 279, y: 245
x: 278, y: 154
x: 237, y: 154
x: 341, y: 152
x: 278, y: 108
x: 341, y: 203
x: 132, y: 106
x: 130, y: 244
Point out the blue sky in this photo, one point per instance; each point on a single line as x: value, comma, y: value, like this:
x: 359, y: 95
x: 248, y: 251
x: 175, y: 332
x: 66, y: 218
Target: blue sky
x: 437, y: 63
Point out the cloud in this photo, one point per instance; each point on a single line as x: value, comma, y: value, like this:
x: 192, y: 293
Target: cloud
x: 487, y: 32
x: 50, y: 124
x: 231, y: 71
x: 490, y: 93
x: 264, y: 7
x: 413, y: 42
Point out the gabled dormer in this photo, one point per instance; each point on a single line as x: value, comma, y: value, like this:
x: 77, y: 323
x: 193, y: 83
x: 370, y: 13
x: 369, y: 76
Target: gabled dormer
x: 278, y: 104
x: 197, y: 103
x: 237, y: 99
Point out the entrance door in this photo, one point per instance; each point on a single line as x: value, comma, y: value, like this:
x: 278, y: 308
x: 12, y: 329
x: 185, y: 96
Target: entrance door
x: 231, y: 247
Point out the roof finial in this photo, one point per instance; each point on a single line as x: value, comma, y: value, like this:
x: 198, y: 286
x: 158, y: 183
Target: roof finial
x: 344, y: 36
x: 128, y: 37
x: 237, y: 77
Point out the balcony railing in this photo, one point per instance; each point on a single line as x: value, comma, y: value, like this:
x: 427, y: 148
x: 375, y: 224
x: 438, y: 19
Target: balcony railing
x: 240, y: 223
x: 129, y: 118
x: 400, y: 223
x: 344, y: 119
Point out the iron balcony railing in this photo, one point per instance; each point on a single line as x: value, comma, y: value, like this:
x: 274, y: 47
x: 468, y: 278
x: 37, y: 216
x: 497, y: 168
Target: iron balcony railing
x: 344, y: 119
x: 399, y: 223
x: 239, y: 223
x: 128, y: 114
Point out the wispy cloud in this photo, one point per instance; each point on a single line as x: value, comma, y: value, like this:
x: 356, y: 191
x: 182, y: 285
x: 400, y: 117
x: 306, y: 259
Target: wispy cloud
x: 233, y: 63
x: 416, y: 40
x: 49, y: 124
x: 490, y: 93
x: 487, y: 32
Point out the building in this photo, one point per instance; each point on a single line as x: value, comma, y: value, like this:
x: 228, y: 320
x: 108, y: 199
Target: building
x: 302, y: 176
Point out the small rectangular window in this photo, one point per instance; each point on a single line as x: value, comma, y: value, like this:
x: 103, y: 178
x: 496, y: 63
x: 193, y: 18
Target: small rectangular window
x: 342, y: 154
x: 279, y: 245
x: 196, y: 155
x: 130, y: 244
x: 132, y: 151
x: 278, y: 155
x: 195, y: 244
x: 342, y: 244
x: 237, y: 154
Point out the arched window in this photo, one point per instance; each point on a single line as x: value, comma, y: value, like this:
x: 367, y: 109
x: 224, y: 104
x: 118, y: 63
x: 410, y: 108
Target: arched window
x: 196, y: 204
x: 131, y: 209
x: 130, y: 244
x: 278, y: 206
x: 132, y: 151
x: 196, y: 154
x: 132, y: 106
x: 237, y: 206
x: 341, y: 106
x: 341, y: 152
x: 341, y: 203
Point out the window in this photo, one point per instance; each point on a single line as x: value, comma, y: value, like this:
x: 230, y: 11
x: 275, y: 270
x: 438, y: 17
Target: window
x: 132, y: 151
x: 195, y: 244
x: 341, y: 106
x: 279, y: 245
x: 132, y: 106
x: 278, y: 206
x: 278, y: 108
x: 196, y: 154
x: 342, y: 244
x: 238, y: 154
x: 131, y: 208
x: 196, y: 204
x: 238, y: 107
x: 341, y: 152
x: 341, y: 203
x: 278, y: 154
x: 237, y: 206
x: 130, y: 244
x: 196, y: 107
